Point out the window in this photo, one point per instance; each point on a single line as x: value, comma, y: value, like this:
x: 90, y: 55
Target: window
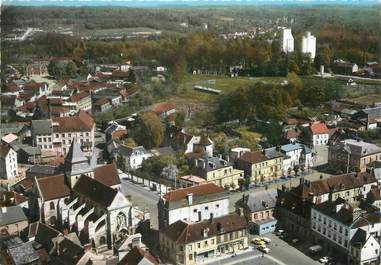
x: 212, y: 241
x: 181, y: 248
x: 52, y: 206
x: 206, y: 208
x: 190, y: 257
x: 199, y: 245
x: 195, y: 210
x: 217, y: 206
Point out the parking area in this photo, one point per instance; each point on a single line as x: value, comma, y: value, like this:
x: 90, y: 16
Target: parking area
x: 284, y: 252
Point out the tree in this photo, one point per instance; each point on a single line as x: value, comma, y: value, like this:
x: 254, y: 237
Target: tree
x: 150, y: 130
x: 131, y: 76
x: 323, y: 56
x: 56, y: 69
x: 180, y: 119
x: 71, y: 69
x: 170, y: 172
x: 296, y: 169
x: 129, y: 142
x: 121, y: 163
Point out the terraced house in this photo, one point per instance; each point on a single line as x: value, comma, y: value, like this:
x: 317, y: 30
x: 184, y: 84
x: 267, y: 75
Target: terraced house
x: 219, y: 171
x: 192, y: 243
x: 261, y: 166
x: 354, y: 154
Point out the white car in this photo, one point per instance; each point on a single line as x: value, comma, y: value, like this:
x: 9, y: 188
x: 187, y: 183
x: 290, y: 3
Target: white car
x: 264, y: 249
x: 266, y: 240
x: 324, y: 259
x: 279, y: 232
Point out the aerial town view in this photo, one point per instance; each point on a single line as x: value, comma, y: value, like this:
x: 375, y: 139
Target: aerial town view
x: 190, y: 132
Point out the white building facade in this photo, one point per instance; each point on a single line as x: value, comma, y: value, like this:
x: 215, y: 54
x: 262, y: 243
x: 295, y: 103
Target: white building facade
x: 8, y: 162
x: 287, y: 41
x: 193, y: 204
x: 309, y: 45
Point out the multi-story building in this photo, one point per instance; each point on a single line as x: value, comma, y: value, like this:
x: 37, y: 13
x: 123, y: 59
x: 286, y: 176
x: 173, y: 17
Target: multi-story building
x: 193, y: 204
x: 294, y: 205
x: 354, y: 155
x: 336, y: 223
x: 296, y: 155
x: 8, y: 162
x: 309, y: 45
x: 82, y: 100
x: 261, y: 166
x: 191, y: 144
x: 131, y: 157
x: 258, y: 208
x: 219, y: 171
x: 287, y: 41
x: 194, y: 243
x: 55, y: 136
x: 319, y: 134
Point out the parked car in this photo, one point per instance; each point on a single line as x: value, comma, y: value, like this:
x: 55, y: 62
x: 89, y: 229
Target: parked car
x: 266, y: 240
x: 258, y: 241
x: 279, y: 232
x: 324, y: 259
x: 295, y: 240
x: 315, y: 249
x: 264, y: 249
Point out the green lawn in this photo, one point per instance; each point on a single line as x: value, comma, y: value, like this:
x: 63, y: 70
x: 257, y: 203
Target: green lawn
x: 223, y: 83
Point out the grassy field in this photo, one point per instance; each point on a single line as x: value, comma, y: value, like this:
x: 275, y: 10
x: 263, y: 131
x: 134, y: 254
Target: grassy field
x: 368, y: 99
x: 224, y: 83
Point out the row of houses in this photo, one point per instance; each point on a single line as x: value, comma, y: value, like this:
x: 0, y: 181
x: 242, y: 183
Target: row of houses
x: 339, y: 214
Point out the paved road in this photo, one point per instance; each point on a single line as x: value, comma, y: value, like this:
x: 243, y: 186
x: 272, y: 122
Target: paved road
x: 143, y: 198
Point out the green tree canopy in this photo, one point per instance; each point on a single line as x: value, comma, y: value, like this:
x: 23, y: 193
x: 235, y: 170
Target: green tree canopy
x: 150, y: 130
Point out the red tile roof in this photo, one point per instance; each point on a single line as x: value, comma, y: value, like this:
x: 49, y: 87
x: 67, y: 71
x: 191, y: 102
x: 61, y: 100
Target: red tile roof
x: 183, y: 232
x: 79, y: 96
x: 293, y: 133
x: 101, y: 101
x: 82, y: 122
x: 52, y: 187
x: 11, y: 198
x: 163, y: 107
x: 319, y: 128
x: 107, y: 174
x: 253, y: 157
x: 135, y: 255
x: 201, y: 190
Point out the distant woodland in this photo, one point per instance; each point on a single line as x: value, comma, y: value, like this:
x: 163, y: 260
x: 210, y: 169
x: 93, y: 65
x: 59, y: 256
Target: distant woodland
x: 342, y: 32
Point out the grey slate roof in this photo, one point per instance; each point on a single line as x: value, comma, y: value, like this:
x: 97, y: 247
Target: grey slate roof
x: 76, y: 162
x: 272, y: 153
x: 42, y: 170
x: 13, y: 214
x: 130, y: 151
x: 42, y: 127
x: 373, y: 112
x: 258, y: 201
x: 212, y: 163
x: 23, y: 253
x: 361, y: 148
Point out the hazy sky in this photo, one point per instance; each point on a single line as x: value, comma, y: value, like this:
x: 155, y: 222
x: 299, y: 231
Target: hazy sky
x: 158, y: 3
